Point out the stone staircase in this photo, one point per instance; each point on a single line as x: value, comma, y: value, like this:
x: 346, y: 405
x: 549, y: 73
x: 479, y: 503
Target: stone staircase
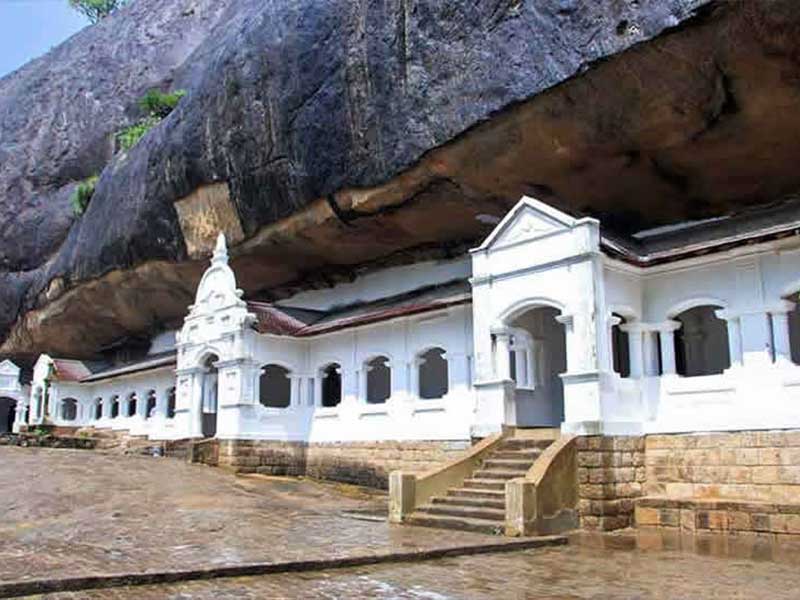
x: 122, y: 442
x: 480, y: 504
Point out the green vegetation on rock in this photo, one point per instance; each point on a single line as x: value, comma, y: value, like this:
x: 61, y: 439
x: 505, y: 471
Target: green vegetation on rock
x: 157, y: 105
x: 130, y: 136
x: 160, y: 104
x: 82, y: 195
x: 96, y: 10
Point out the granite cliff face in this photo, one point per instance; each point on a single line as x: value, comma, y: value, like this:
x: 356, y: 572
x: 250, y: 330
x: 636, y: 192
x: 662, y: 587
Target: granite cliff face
x: 328, y: 137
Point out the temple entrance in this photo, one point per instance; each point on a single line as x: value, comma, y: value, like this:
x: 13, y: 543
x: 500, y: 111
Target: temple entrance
x: 538, y: 358
x: 210, y: 393
x: 8, y: 407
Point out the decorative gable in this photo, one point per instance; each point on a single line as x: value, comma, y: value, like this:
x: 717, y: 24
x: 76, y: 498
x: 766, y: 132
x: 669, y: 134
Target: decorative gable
x: 9, y: 368
x: 217, y: 289
x: 9, y: 375
x: 528, y: 220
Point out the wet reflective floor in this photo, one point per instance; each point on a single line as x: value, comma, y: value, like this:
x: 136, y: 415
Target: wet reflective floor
x: 614, y: 568
x: 68, y: 513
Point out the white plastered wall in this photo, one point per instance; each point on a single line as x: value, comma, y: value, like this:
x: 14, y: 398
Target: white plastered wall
x: 762, y: 387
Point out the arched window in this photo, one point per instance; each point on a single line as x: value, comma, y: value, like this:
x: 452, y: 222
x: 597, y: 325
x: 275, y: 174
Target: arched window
x: 98, y: 409
x: 331, y: 385
x: 379, y: 380
x: 433, y: 374
x: 620, y: 347
x: 151, y: 404
x: 171, y: 403
x: 701, y: 343
x: 114, y: 407
x: 69, y: 409
x: 131, y: 404
x: 275, y: 387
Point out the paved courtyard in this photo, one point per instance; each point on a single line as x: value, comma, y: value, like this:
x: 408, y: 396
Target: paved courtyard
x: 580, y: 571
x: 69, y: 513
x: 72, y: 513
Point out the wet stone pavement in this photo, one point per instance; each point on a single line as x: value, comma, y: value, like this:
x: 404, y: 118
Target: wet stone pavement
x: 74, y: 512
x: 70, y: 513
x: 579, y: 571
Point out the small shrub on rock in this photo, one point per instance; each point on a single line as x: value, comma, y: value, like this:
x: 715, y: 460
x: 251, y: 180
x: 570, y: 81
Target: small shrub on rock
x: 156, y: 105
x: 82, y: 195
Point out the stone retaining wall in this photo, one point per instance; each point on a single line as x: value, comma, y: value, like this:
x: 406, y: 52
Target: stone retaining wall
x: 611, y: 475
x: 749, y: 465
x: 362, y: 463
x: 734, y: 481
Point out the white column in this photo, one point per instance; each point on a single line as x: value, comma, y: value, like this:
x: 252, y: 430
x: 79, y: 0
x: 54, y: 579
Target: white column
x: 413, y: 376
x: 649, y: 353
x: 533, y: 362
x: 195, y: 404
x: 634, y: 332
x: 502, y: 360
x: 734, y: 325
x: 780, y: 332
x: 141, y: 405
x: 161, y: 403
x: 457, y: 372
x: 106, y: 407
x: 666, y: 338
x: 519, y: 367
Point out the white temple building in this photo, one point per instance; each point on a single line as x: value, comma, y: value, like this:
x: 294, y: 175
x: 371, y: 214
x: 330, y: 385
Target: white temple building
x: 548, y: 323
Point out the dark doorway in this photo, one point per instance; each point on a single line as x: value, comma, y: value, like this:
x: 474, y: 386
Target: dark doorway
x: 8, y: 407
x: 210, y: 391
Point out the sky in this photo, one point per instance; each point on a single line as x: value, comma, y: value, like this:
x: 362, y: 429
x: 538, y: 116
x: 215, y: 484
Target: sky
x: 29, y: 28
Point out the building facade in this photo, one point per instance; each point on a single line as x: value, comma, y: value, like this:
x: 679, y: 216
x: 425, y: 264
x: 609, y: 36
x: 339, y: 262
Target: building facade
x: 548, y: 323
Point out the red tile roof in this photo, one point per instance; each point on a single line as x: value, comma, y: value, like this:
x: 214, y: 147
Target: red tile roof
x: 290, y: 321
x: 70, y: 370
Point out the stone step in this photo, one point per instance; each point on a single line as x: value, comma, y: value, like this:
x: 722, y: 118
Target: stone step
x: 497, y: 474
x: 498, y: 502
x: 523, y: 444
x: 486, y: 494
x: 527, y: 454
x: 486, y: 484
x: 507, y: 464
x: 467, y: 512
x: 461, y: 523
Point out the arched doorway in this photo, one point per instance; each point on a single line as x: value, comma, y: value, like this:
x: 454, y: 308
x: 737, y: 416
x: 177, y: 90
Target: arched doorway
x: 8, y: 408
x: 210, y: 393
x: 541, y: 402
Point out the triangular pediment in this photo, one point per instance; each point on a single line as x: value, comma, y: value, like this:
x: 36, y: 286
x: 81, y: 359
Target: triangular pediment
x: 8, y: 368
x: 528, y: 220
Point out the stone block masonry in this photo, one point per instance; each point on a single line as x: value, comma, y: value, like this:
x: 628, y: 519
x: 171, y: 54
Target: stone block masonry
x: 761, y: 466
x: 611, y: 475
x: 361, y: 463
x: 733, y: 481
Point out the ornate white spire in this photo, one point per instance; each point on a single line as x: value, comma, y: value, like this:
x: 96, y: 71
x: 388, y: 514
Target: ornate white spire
x: 220, y: 250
